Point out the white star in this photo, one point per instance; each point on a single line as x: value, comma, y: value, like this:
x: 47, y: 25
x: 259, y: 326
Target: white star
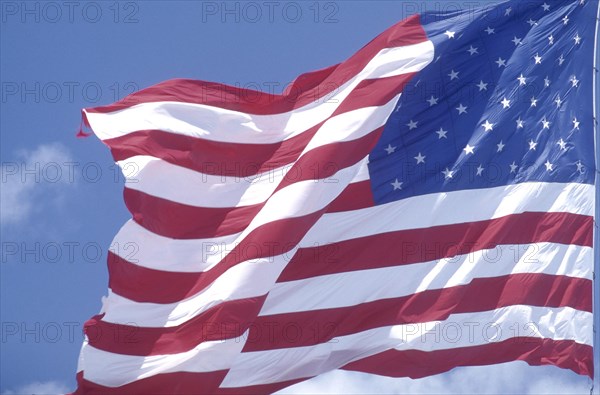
x: 420, y: 158
x: 531, y: 22
x: 505, y: 103
x: 461, y: 109
x: 522, y: 80
x: 432, y: 101
x: 558, y: 101
x: 532, y: 145
x: 577, y: 39
x: 520, y: 123
x: 487, y: 125
x: 397, y: 184
x: 449, y: 34
x: 448, y: 173
x: 501, y: 62
x: 513, y: 167
x: 442, y: 134
x: 453, y: 75
x: 574, y: 81
x: 575, y: 123
x: 565, y: 20
x: 546, y: 82
x: 480, y: 170
x: 389, y: 149
x: 562, y: 144
x: 469, y: 149
x: 561, y: 60
x: 489, y: 30
x: 508, y: 11
x: 472, y: 50
x: 482, y: 86
x: 579, y: 167
x: 551, y: 39
x: 548, y: 165
x: 412, y: 125
x: 533, y: 102
x: 538, y: 58
x: 500, y: 146
x: 517, y: 41
x: 546, y: 7
x: 545, y: 123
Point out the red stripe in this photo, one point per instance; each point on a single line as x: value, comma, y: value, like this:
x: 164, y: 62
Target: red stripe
x: 244, y: 160
x: 565, y: 354
x: 146, y: 285
x: 482, y: 294
x: 318, y: 164
x: 272, y: 239
x: 306, y: 89
x: 374, y: 92
x: 257, y: 244
x: 211, y: 157
x: 420, y: 245
x: 227, y: 320
x: 165, y: 384
x: 231, y: 319
x: 181, y: 221
x: 356, y: 196
x: 149, y: 285
x: 187, y: 383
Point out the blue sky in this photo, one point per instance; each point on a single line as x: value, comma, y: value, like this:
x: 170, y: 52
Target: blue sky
x: 61, y: 197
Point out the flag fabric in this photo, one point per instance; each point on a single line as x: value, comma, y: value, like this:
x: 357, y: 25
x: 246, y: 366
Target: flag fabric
x: 426, y: 204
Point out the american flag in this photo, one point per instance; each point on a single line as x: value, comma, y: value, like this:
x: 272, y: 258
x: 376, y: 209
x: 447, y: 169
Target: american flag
x: 426, y: 204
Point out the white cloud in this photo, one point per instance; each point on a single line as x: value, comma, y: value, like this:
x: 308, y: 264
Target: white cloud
x: 509, y: 378
x: 40, y: 388
x: 33, y: 182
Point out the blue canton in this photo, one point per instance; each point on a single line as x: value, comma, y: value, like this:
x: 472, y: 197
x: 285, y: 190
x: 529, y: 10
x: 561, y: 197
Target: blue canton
x: 507, y: 99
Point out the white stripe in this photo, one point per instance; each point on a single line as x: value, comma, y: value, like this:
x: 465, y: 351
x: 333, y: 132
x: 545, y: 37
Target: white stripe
x: 147, y: 249
x: 165, y: 180
x: 452, y: 207
x: 363, y: 172
x: 246, y: 280
x: 217, y: 124
x: 347, y: 289
x: 298, y: 199
x: 302, y: 198
x: 351, y: 125
x: 114, y: 370
x: 138, y: 245
x: 489, y: 326
x: 254, y: 278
